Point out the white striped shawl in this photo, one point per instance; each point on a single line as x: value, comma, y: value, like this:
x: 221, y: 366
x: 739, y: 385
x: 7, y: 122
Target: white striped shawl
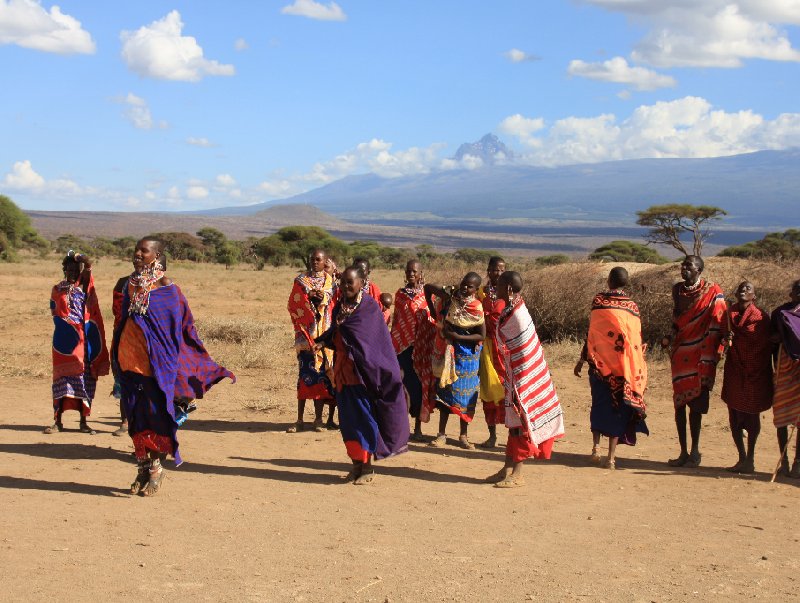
x: 530, y: 393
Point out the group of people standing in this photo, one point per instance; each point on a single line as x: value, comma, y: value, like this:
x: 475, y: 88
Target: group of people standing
x: 443, y: 348
x: 449, y: 347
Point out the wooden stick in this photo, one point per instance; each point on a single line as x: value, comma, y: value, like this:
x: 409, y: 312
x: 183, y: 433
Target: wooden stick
x: 784, y: 451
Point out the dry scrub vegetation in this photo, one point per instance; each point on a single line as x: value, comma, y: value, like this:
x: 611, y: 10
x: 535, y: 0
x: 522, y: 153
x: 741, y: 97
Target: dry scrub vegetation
x: 241, y: 313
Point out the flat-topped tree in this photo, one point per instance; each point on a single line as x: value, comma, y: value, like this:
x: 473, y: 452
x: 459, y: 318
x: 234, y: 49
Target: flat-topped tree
x: 668, y: 223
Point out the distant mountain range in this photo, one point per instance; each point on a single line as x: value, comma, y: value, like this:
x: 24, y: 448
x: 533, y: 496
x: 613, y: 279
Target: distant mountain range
x: 759, y: 190
x: 488, y: 149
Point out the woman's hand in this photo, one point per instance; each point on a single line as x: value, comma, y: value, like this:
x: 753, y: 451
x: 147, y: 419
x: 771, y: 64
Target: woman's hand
x: 577, y: 370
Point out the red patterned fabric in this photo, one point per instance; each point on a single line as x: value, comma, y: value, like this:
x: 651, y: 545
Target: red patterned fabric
x: 69, y: 361
x: 747, y: 380
x: 147, y: 440
x: 696, y: 344
x: 614, y: 348
x: 409, y: 312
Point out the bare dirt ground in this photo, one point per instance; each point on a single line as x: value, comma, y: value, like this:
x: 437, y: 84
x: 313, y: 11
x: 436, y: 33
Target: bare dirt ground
x: 256, y: 514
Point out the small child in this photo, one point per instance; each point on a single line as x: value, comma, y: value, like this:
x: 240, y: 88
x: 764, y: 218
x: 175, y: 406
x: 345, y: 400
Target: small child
x: 386, y: 304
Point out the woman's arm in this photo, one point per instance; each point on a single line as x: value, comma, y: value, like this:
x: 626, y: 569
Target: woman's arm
x: 476, y: 333
x: 431, y: 290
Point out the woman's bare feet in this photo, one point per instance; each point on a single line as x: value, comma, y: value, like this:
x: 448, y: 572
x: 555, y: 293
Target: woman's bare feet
x: 511, y: 481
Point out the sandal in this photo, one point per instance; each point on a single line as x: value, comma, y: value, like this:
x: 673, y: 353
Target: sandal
x: 364, y: 479
x: 595, y: 458
x: 609, y: 464
x: 331, y: 426
x: 84, y: 428
x: 142, y: 477
x: 156, y: 477
x: 439, y: 441
x: 465, y: 443
x: 693, y: 461
x: 294, y: 428
x: 318, y: 427
x: 54, y: 428
x: 418, y: 437
x: 122, y: 431
x: 510, y: 482
x: 488, y: 444
x: 498, y: 477
x: 682, y: 459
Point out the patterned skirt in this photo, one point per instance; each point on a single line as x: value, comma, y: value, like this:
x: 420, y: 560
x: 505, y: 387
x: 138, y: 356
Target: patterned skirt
x: 461, y: 396
x: 786, y: 396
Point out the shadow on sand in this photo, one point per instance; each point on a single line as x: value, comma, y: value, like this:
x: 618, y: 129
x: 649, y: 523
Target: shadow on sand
x: 22, y: 483
x: 67, y: 451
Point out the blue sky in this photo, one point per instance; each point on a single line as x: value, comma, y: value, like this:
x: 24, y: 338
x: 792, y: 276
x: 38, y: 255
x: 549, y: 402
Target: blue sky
x: 154, y: 105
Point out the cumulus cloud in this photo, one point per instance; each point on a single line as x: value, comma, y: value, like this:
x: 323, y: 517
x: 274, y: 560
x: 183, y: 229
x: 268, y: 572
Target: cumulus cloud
x: 516, y: 55
x: 138, y: 113
x: 618, y: 71
x: 225, y: 180
x: 523, y: 128
x: 709, y: 33
x: 24, y: 178
x: 196, y: 192
x: 315, y: 10
x: 28, y: 24
x: 200, y: 142
x: 687, y: 127
x: 160, y: 51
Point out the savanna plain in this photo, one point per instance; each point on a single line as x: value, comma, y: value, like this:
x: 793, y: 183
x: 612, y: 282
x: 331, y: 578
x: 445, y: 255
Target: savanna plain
x: 256, y: 514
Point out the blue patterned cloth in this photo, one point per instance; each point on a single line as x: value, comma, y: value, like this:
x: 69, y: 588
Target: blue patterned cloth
x: 462, y: 394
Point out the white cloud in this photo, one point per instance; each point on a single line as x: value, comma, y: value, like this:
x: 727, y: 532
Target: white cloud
x: 687, y: 127
x: 225, y: 180
x: 28, y: 24
x: 315, y: 10
x: 515, y: 55
x: 710, y: 33
x: 138, y: 113
x: 24, y: 178
x: 200, y: 142
x: 240, y: 44
x: 618, y: 71
x: 197, y: 192
x: 523, y: 128
x: 160, y: 51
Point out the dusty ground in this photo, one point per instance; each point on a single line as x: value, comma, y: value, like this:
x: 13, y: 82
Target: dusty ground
x: 258, y: 514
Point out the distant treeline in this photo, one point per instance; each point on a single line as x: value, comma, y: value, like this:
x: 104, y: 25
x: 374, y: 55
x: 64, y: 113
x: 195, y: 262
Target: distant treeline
x: 292, y: 245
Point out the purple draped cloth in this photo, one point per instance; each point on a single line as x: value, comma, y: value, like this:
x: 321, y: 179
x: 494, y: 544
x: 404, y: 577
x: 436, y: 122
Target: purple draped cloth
x: 180, y: 363
x: 786, y: 320
x: 369, y: 346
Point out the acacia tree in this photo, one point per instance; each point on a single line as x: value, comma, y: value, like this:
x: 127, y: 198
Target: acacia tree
x: 668, y: 223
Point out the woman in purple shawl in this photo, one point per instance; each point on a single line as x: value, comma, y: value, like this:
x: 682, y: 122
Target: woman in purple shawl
x: 161, y: 363
x: 786, y: 396
x: 367, y: 382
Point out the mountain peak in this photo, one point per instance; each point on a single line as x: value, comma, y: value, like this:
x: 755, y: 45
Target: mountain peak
x: 487, y: 149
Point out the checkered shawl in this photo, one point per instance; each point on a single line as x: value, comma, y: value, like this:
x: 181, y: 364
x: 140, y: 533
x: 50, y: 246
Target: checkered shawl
x: 409, y: 312
x: 181, y: 365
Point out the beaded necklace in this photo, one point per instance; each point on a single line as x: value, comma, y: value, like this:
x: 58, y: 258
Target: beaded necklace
x: 459, y: 309
x: 690, y: 290
x: 347, y: 307
x: 142, y: 283
x: 491, y: 291
x: 412, y: 292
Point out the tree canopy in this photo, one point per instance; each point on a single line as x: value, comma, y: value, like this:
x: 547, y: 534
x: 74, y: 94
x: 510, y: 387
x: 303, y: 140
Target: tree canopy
x: 670, y: 224
x: 16, y: 231
x: 776, y: 246
x: 627, y: 251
